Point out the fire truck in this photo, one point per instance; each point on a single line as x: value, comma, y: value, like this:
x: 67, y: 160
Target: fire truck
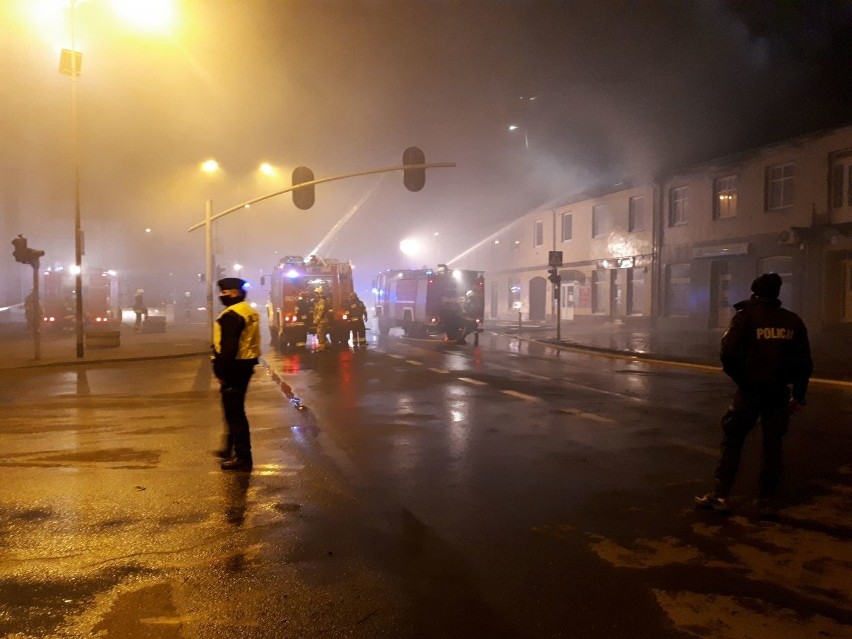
x: 100, y: 297
x: 294, y: 285
x: 425, y: 302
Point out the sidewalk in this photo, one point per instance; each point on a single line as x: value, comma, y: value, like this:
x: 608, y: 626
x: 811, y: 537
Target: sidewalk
x: 180, y: 339
x: 61, y: 348
x: 831, y: 361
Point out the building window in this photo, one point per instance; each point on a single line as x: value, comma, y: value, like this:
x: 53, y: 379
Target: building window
x: 725, y: 197
x: 677, y: 289
x: 599, y: 220
x: 841, y: 184
x: 678, y: 205
x: 779, y: 187
x: 599, y: 291
x: 636, y: 215
x: 783, y: 266
x: 567, y: 226
x: 539, y: 233
x: 636, y: 291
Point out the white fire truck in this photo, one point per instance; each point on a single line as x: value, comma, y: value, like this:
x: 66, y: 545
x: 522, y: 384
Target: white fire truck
x: 295, y: 283
x: 430, y: 301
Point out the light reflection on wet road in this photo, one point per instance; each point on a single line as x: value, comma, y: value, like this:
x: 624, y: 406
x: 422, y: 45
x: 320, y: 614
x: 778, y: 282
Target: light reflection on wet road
x: 428, y: 490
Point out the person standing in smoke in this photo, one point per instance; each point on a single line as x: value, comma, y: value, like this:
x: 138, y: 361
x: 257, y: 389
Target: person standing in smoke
x: 765, y: 351
x: 236, y: 349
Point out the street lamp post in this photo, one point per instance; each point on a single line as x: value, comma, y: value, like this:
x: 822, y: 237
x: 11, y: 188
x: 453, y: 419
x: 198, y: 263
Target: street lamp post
x: 210, y: 167
x: 208, y: 261
x: 74, y: 70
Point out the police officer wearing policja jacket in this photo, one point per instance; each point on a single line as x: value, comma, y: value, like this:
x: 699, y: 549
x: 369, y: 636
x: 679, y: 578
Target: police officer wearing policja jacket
x: 236, y: 349
x: 765, y: 351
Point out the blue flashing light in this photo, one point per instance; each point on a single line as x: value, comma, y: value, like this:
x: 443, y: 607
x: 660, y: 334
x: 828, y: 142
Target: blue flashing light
x: 292, y: 273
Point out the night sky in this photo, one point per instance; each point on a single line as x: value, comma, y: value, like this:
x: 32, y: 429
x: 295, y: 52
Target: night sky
x: 602, y: 91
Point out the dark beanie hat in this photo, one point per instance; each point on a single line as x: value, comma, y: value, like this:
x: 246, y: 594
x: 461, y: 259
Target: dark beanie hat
x: 767, y: 285
x: 229, y: 283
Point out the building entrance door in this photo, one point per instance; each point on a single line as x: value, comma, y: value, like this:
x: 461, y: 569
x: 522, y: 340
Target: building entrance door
x: 538, y: 299
x: 847, y: 290
x: 618, y: 300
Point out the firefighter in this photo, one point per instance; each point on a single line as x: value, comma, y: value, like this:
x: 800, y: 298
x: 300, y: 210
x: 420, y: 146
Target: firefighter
x: 357, y: 319
x: 452, y: 321
x: 236, y: 349
x: 764, y: 351
x: 139, y: 308
x: 321, y: 310
x: 304, y: 312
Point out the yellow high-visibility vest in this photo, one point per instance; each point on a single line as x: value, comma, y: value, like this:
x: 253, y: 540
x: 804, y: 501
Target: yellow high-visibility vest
x: 249, y: 347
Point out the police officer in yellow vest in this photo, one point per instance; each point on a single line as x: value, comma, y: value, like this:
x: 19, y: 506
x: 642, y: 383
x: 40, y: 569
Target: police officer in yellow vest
x: 765, y: 351
x: 236, y: 349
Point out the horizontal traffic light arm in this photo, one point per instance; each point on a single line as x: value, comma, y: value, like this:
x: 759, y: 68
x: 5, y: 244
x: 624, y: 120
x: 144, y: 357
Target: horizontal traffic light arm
x: 390, y: 169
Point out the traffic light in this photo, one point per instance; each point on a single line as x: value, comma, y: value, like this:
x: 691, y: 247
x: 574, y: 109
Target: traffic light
x: 414, y: 179
x: 22, y: 253
x: 303, y: 198
x: 554, y: 275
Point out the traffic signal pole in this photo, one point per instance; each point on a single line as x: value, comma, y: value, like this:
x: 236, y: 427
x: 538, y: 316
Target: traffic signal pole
x: 36, y: 312
x: 407, y: 168
x: 557, y: 295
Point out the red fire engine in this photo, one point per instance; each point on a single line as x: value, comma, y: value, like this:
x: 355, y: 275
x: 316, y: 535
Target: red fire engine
x: 100, y: 295
x: 430, y: 301
x: 294, y: 286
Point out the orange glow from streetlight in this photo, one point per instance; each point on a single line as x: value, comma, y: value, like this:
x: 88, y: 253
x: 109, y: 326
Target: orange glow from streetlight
x: 210, y: 166
x: 149, y: 15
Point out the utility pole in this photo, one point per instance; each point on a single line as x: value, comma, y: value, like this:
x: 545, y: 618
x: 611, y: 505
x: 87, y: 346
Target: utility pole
x: 554, y: 260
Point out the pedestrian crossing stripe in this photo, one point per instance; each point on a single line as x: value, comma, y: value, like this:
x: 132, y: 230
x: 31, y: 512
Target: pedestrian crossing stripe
x: 511, y: 393
x: 578, y: 413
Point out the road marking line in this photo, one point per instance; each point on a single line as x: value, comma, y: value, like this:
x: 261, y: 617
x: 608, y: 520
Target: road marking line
x: 439, y: 370
x: 529, y: 398
x: 585, y: 415
x: 413, y: 362
x: 472, y: 381
x: 395, y: 356
x: 566, y: 383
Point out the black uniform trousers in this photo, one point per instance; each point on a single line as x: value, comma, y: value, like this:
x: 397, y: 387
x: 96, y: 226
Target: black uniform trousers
x: 771, y: 405
x: 233, y: 391
x: 359, y: 331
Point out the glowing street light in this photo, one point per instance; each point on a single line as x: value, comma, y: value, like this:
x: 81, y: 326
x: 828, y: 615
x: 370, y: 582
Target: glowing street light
x: 210, y: 166
x: 410, y: 247
x: 515, y: 127
x: 149, y: 15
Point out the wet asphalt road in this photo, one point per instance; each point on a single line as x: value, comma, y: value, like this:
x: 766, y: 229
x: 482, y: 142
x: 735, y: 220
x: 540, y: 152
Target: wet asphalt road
x: 428, y: 490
